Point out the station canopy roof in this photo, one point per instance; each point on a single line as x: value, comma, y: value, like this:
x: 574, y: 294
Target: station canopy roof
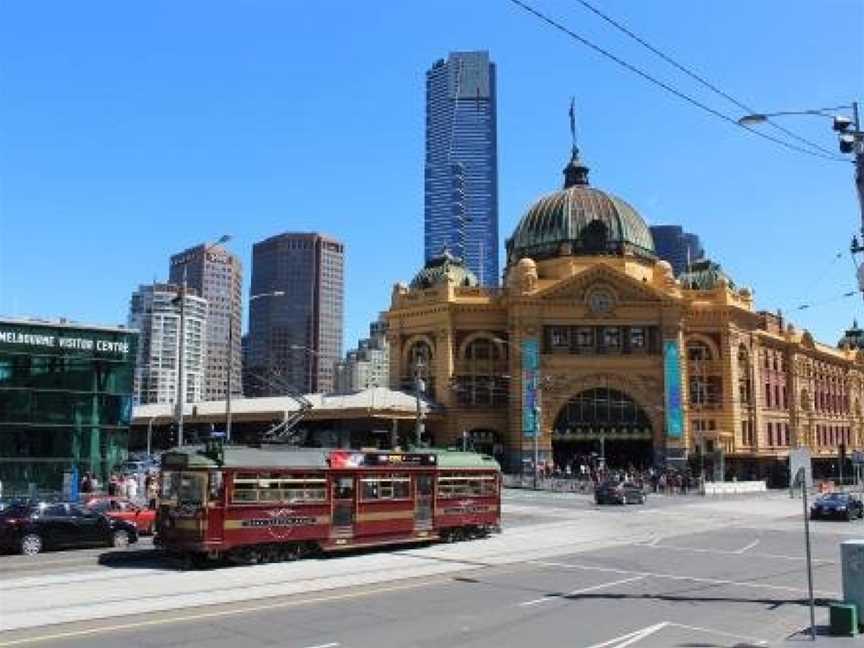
x: 375, y: 402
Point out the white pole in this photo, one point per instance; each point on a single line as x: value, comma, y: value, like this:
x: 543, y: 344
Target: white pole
x: 181, y: 361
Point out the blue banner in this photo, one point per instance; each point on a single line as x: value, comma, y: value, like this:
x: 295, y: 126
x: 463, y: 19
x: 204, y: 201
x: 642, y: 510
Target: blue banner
x: 672, y: 380
x: 530, y: 382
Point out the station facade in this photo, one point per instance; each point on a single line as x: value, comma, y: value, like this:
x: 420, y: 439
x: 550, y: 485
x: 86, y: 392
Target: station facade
x: 594, y: 345
x: 65, y: 402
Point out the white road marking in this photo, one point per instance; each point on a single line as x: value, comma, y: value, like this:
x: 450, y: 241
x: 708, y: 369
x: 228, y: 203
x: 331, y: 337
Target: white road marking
x: 630, y: 637
x: 654, y: 542
x: 332, y: 644
x: 720, y: 633
x: 747, y: 547
x: 694, y: 579
x: 583, y: 590
x: 727, y: 552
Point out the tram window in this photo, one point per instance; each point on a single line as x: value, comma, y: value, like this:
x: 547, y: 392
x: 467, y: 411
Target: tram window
x: 389, y: 488
x: 275, y: 487
x: 246, y: 487
x: 465, y: 485
x: 343, y: 488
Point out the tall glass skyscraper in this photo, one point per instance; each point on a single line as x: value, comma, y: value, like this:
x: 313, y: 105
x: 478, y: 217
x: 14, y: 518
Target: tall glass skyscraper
x: 461, y: 173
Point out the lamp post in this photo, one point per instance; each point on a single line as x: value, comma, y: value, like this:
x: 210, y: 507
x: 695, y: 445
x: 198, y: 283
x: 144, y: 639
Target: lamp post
x: 419, y: 386
x: 181, y: 355
x: 851, y: 142
x: 275, y: 293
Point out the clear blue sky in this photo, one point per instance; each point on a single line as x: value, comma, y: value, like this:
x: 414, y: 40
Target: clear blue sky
x: 131, y: 130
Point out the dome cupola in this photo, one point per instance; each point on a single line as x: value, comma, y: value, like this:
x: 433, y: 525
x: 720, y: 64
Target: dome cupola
x: 579, y: 220
x: 854, y: 337
x: 444, y: 268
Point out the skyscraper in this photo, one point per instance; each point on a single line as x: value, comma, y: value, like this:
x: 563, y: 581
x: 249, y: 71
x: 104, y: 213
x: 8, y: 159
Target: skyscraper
x: 673, y: 244
x: 461, y: 171
x: 217, y: 276
x: 155, y: 311
x: 295, y: 326
x: 369, y: 364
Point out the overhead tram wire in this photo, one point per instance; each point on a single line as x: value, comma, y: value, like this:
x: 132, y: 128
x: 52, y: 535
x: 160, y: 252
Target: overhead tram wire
x: 665, y: 86
x: 700, y: 79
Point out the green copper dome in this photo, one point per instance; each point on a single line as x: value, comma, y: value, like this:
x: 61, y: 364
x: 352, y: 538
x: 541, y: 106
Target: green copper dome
x: 442, y: 269
x: 579, y: 219
x: 854, y: 337
x: 703, y: 274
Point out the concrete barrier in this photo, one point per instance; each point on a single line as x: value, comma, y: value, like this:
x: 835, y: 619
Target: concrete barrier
x: 734, y: 487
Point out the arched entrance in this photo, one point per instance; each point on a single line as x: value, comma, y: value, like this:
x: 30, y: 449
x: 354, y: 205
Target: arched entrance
x: 602, y: 422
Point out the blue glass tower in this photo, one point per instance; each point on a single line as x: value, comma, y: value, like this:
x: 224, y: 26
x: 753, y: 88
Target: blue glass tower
x: 461, y: 173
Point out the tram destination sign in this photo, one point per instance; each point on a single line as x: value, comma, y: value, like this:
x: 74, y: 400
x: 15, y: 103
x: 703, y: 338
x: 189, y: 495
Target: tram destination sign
x: 344, y: 459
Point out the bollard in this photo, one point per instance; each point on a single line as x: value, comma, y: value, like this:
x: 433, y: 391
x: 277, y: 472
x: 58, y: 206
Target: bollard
x: 852, y: 561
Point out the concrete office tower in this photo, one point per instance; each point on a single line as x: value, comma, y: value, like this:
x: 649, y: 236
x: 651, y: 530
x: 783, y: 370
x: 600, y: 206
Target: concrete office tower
x: 155, y: 311
x: 295, y: 336
x: 369, y: 364
x: 672, y: 244
x: 461, y: 171
x: 216, y: 274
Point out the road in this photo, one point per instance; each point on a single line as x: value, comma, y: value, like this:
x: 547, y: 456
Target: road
x: 678, y: 572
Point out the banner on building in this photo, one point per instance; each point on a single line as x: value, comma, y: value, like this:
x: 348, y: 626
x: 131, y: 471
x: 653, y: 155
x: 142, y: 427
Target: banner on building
x: 672, y: 380
x: 530, y: 382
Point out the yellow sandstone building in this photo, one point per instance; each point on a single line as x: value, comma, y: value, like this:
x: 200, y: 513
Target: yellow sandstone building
x: 594, y: 342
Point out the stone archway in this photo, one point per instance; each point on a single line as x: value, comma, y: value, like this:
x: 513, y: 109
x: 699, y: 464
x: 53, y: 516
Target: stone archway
x: 603, y: 423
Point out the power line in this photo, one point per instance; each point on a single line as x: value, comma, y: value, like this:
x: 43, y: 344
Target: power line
x: 699, y: 78
x: 681, y: 95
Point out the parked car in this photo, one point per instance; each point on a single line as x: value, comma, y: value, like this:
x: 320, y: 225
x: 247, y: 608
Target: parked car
x: 137, y: 466
x: 845, y: 506
x: 610, y: 492
x: 120, y: 508
x: 32, y: 528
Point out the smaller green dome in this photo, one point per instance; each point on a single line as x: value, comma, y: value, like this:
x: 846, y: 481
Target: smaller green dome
x: 854, y: 337
x: 704, y: 274
x: 443, y: 269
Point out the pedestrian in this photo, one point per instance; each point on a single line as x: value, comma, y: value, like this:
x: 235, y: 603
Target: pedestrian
x: 131, y: 488
x: 86, y: 483
x: 152, y: 492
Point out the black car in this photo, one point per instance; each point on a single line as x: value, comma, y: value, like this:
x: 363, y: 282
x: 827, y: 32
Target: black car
x: 31, y: 528
x: 619, y: 493
x: 837, y: 505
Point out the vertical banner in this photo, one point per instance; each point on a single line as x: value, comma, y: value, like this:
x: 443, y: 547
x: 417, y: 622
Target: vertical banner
x: 530, y: 381
x: 672, y: 380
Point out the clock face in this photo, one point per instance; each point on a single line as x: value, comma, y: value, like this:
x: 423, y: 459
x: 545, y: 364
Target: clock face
x: 600, y: 301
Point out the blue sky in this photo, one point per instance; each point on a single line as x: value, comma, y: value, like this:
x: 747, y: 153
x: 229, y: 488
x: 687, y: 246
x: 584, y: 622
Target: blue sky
x: 130, y: 131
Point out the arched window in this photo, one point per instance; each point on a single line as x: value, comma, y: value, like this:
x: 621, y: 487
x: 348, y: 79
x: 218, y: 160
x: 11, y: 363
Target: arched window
x: 698, y: 351
x: 481, y: 380
x: 744, y: 386
x: 419, y: 363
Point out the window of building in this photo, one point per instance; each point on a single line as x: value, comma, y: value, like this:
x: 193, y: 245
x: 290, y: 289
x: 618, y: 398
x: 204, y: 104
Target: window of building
x: 585, y: 339
x: 612, y: 338
x: 637, y: 338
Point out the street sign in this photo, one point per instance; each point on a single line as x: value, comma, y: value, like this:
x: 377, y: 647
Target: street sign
x: 800, y: 458
x: 858, y: 458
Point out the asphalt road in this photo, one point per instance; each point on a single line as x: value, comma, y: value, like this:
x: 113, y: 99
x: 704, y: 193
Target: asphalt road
x: 744, y: 585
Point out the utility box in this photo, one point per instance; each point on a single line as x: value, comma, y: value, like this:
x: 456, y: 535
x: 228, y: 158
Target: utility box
x: 852, y: 562
x: 844, y: 620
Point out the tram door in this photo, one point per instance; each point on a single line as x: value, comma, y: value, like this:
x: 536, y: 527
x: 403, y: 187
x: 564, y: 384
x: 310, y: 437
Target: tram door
x: 423, y: 503
x: 344, y: 496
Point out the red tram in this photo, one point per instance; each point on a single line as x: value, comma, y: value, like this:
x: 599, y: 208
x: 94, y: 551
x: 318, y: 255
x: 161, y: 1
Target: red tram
x: 254, y: 505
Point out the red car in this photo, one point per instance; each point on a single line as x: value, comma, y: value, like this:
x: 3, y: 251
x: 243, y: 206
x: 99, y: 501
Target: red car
x: 122, y: 509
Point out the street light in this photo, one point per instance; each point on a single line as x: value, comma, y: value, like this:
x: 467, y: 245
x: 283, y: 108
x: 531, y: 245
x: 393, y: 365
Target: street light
x: 851, y: 142
x: 275, y: 293
x: 181, y: 359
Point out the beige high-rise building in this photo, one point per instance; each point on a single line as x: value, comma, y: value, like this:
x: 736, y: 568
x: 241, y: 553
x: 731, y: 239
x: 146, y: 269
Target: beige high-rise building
x: 216, y: 275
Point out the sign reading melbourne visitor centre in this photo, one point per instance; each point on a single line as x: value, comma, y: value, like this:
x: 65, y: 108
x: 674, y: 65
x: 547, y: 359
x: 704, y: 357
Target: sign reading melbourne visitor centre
x: 59, y: 339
